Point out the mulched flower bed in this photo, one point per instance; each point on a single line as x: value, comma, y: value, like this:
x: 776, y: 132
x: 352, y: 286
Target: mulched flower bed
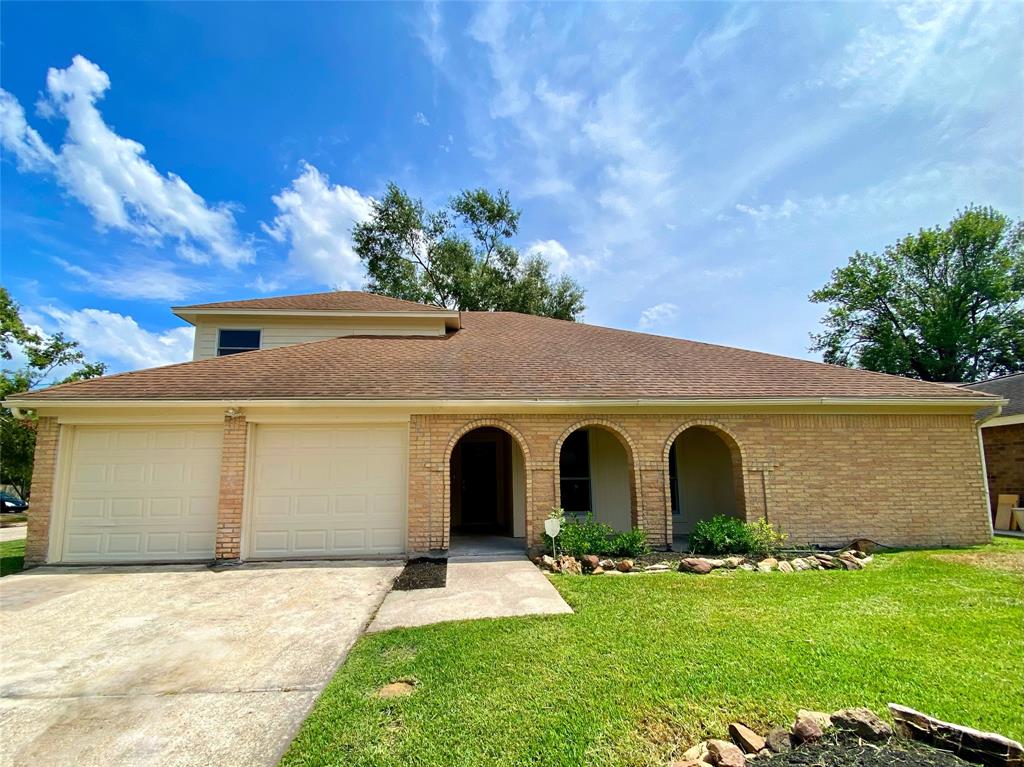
x: 422, y: 573
x: 844, y: 749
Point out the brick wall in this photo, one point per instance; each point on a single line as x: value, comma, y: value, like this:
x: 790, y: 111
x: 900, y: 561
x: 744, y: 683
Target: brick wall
x: 232, y: 487
x: 1004, y: 460
x: 44, y: 477
x: 898, y: 479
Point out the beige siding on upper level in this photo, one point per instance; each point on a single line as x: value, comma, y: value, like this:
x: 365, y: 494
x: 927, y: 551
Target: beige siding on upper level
x: 284, y: 331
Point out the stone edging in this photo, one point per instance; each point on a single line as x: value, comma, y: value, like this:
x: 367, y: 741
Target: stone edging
x: 849, y: 559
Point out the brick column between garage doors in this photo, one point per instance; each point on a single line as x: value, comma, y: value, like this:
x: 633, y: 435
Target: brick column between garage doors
x: 232, y: 487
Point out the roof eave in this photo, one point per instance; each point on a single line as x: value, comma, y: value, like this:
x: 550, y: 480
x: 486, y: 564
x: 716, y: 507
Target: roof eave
x: 495, y: 405
x: 452, y: 318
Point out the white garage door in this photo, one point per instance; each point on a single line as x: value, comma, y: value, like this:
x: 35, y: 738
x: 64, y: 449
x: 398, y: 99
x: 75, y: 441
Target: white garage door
x: 335, y: 490
x: 139, y: 494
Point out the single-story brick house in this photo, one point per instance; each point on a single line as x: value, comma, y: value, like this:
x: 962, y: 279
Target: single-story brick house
x: 1003, y: 437
x: 350, y: 424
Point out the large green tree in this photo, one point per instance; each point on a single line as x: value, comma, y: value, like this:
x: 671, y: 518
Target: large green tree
x: 39, y: 359
x: 945, y: 304
x: 459, y: 257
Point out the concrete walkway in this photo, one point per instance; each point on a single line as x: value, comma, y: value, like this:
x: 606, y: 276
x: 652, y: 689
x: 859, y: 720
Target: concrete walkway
x: 13, y: 533
x: 477, y: 587
x: 176, y: 665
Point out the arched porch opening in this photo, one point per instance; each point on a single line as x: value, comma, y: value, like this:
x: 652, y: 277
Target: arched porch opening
x: 596, y: 475
x: 487, y: 486
x: 705, y: 477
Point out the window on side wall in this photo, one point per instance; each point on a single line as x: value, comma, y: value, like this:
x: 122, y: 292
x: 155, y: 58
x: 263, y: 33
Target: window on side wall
x: 574, y: 474
x: 236, y: 341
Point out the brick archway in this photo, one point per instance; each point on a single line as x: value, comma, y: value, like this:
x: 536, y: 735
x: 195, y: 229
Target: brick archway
x: 635, y: 493
x: 446, y: 478
x: 737, y: 455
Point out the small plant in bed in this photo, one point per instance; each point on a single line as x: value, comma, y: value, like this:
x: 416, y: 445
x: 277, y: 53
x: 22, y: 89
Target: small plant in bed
x: 728, y: 535
x: 580, y: 537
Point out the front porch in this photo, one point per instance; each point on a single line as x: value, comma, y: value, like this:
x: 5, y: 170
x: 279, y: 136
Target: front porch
x: 498, y: 478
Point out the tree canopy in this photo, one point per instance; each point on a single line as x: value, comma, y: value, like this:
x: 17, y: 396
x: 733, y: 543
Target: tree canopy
x: 31, y: 359
x: 459, y: 257
x: 945, y: 304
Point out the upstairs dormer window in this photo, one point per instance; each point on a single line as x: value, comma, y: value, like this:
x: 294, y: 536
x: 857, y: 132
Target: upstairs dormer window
x: 235, y: 341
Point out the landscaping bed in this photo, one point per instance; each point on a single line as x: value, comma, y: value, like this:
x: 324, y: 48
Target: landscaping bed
x: 422, y: 573
x: 847, y: 750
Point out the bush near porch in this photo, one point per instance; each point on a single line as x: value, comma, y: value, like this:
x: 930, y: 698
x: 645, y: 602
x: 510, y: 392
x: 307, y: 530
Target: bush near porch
x: 650, y: 664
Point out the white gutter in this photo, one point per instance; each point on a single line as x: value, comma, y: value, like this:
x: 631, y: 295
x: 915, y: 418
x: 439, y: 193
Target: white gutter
x: 499, y: 404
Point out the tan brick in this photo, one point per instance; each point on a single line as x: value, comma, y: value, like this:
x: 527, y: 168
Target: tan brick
x: 232, y: 487
x: 899, y: 479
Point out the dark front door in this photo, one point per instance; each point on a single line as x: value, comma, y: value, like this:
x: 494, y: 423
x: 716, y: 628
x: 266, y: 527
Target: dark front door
x: 479, y: 487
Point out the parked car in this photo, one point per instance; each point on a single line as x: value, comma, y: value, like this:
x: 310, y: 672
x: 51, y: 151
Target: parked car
x: 12, y: 503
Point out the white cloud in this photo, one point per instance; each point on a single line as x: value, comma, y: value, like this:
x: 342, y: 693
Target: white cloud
x: 118, y: 339
x: 22, y: 141
x: 316, y: 219
x: 421, y: 119
x: 154, y: 280
x: 717, y: 43
x: 264, y: 285
x: 490, y: 26
x: 559, y: 258
x: 658, y: 315
x: 109, y: 175
x: 763, y: 213
x: 430, y: 34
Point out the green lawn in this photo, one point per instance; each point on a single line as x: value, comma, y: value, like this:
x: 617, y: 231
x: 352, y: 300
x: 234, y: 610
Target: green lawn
x: 12, y: 556
x: 649, y: 663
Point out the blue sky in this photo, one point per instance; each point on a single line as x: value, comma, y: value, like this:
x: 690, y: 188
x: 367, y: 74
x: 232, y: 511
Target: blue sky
x: 699, y: 168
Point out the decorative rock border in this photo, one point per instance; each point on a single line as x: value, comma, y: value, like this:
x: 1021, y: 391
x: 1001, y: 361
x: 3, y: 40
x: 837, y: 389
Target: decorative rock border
x: 590, y: 564
x: 809, y: 727
x: 972, y: 745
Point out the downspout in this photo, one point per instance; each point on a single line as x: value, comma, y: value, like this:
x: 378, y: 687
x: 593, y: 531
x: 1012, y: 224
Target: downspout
x: 984, y: 466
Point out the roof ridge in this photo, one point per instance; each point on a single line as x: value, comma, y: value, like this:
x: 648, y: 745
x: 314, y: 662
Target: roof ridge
x: 224, y: 304
x: 1003, y: 377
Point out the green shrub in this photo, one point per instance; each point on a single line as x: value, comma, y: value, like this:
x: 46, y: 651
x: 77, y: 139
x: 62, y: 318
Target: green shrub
x: 765, y: 541
x: 721, y: 535
x: 631, y: 544
x: 584, y: 537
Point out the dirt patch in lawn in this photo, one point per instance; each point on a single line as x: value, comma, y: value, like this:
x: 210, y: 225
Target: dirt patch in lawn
x: 1007, y: 561
x: 423, y: 573
x: 847, y: 750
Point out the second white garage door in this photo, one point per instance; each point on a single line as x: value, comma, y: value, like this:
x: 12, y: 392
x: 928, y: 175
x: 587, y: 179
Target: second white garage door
x: 328, y: 491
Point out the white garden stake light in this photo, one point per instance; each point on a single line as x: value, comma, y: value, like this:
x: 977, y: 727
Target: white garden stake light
x: 553, y: 526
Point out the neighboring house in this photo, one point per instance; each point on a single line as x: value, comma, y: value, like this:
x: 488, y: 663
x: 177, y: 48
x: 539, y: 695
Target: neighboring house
x: 1003, y: 437
x: 349, y: 424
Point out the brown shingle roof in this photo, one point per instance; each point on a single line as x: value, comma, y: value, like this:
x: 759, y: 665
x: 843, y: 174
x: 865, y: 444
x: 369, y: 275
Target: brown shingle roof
x: 1009, y: 386
x: 331, y: 301
x: 499, y: 356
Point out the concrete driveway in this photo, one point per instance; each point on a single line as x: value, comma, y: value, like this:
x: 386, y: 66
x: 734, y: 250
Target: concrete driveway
x: 176, y: 665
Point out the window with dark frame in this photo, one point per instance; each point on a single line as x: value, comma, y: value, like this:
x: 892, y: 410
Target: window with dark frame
x: 673, y: 479
x: 574, y: 473
x: 237, y: 341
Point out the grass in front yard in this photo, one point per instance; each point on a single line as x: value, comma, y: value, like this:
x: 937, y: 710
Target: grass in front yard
x: 12, y: 556
x: 652, y: 663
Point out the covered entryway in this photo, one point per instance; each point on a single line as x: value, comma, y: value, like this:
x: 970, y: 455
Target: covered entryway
x: 705, y: 478
x: 327, y: 491
x: 488, y: 485
x: 594, y: 477
x: 141, y: 494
